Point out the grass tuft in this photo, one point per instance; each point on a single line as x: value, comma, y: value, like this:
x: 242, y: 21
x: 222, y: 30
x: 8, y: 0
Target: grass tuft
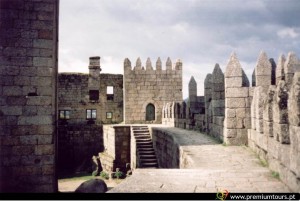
x: 275, y: 175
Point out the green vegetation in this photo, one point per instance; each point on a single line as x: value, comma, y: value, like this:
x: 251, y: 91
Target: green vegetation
x: 79, y: 176
x: 263, y: 162
x: 118, y: 173
x: 104, y: 175
x: 275, y: 175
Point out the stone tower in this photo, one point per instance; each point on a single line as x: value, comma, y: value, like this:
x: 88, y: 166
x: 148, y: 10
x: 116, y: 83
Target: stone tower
x: 147, y: 89
x: 28, y: 103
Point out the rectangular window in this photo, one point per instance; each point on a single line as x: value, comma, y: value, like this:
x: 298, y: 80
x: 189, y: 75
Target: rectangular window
x: 110, y: 93
x: 94, y: 95
x: 91, y: 114
x: 109, y: 115
x: 64, y: 114
x: 110, y: 90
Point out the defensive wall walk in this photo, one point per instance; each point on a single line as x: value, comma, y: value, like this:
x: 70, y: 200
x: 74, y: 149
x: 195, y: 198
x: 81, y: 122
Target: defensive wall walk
x: 205, y: 166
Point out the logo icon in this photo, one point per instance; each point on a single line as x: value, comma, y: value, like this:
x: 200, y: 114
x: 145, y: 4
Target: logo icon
x: 222, y: 195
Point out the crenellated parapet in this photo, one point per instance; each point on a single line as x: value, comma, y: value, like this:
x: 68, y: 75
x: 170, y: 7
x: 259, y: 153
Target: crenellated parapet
x: 275, y: 115
x: 139, y: 68
x: 266, y: 116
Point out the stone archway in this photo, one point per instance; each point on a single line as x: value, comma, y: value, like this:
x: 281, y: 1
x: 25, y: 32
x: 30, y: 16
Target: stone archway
x: 150, y: 112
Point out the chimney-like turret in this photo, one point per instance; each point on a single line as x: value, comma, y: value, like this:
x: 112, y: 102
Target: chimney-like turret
x: 94, y: 73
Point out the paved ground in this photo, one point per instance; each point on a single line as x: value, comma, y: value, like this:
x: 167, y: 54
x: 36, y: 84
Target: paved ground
x: 213, y: 167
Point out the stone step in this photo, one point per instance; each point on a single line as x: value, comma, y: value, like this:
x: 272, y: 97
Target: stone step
x: 145, y: 145
x: 141, y: 131
x: 145, y: 149
x: 140, y: 145
x: 150, y: 156
x: 143, y: 140
x: 148, y: 160
x: 142, y: 136
x: 150, y: 165
x: 147, y: 152
x: 139, y: 128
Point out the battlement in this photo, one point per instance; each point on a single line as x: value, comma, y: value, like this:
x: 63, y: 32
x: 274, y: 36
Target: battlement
x: 169, y: 66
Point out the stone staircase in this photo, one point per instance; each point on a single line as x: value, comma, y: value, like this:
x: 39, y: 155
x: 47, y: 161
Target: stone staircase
x: 144, y: 145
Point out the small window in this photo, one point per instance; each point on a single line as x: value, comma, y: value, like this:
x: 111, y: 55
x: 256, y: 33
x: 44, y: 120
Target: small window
x: 94, y: 95
x: 110, y: 90
x: 91, y: 114
x: 64, y: 114
x: 109, y: 115
x: 110, y: 93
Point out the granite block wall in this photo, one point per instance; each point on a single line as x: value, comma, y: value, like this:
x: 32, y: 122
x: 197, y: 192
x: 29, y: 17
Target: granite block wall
x: 275, y: 127
x: 77, y: 144
x: 74, y: 96
x: 117, y: 150
x: 144, y: 86
x: 28, y: 76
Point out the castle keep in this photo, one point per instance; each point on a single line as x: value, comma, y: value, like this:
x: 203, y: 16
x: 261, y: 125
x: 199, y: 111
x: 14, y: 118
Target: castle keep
x: 147, y: 89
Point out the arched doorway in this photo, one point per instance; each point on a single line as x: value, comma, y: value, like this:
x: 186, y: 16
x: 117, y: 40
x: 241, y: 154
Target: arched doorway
x: 150, y: 112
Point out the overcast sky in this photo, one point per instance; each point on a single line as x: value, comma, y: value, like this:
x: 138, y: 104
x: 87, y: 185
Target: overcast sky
x: 200, y: 33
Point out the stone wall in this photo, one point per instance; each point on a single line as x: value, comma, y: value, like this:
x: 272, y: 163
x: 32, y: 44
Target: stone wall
x: 116, y: 147
x: 188, y: 114
x: 77, y: 144
x: 144, y: 86
x: 264, y: 116
x: 168, y: 151
x: 275, y: 111
x: 73, y: 96
x: 28, y: 71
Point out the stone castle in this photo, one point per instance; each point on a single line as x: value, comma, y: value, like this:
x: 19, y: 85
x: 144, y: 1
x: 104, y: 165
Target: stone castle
x: 51, y: 122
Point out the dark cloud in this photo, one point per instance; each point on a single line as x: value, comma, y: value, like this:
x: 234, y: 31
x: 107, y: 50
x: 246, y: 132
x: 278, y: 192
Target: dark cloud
x: 201, y: 33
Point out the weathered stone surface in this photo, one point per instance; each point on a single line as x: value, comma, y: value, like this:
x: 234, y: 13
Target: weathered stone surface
x: 148, y: 64
x: 150, y: 87
x: 263, y: 67
x: 242, y: 92
x: 291, y: 64
x: 217, y: 75
x: 168, y: 64
x: 21, y: 44
x: 230, y: 113
x: 234, y: 68
x: 92, y: 186
x: 235, y: 103
x: 138, y: 65
x: 192, y: 87
x: 208, y: 81
x: 158, y: 64
x: 294, y: 101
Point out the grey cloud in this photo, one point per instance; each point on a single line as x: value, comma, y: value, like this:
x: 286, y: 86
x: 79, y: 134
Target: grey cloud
x: 201, y: 33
